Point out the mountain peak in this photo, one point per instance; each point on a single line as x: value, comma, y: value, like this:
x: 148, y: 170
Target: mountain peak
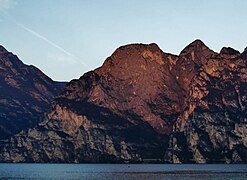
x: 154, y: 45
x: 196, y: 45
x: 229, y: 52
x: 132, y: 55
x: 196, y: 52
x: 136, y: 46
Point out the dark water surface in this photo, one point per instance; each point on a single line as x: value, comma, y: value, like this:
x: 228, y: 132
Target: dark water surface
x: 122, y: 171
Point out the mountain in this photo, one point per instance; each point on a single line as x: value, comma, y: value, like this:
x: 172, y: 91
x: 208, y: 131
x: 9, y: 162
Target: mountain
x: 144, y: 105
x: 214, y: 127
x: 26, y: 94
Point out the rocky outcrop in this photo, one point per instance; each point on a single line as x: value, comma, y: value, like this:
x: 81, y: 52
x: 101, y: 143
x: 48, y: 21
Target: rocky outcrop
x: 146, y: 105
x: 25, y: 95
x: 215, y: 128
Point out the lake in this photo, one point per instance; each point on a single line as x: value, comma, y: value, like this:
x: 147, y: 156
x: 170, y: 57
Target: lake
x: 122, y: 171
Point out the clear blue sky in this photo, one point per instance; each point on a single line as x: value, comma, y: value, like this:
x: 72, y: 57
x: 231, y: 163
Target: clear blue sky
x: 66, y: 38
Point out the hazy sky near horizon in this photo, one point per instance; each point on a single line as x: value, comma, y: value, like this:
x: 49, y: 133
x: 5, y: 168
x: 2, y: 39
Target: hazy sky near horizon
x: 66, y: 38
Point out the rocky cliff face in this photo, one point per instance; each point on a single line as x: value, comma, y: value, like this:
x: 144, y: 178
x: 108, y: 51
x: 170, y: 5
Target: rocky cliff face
x: 214, y: 129
x: 112, y: 114
x: 25, y: 94
x: 144, y: 104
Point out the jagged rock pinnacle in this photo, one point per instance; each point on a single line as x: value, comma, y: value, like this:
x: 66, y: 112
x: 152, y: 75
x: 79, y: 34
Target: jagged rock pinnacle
x: 229, y: 51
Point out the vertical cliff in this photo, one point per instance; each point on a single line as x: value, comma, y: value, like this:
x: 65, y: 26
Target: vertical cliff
x: 214, y: 129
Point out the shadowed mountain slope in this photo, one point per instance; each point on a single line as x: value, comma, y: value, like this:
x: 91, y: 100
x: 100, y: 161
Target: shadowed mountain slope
x: 25, y: 94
